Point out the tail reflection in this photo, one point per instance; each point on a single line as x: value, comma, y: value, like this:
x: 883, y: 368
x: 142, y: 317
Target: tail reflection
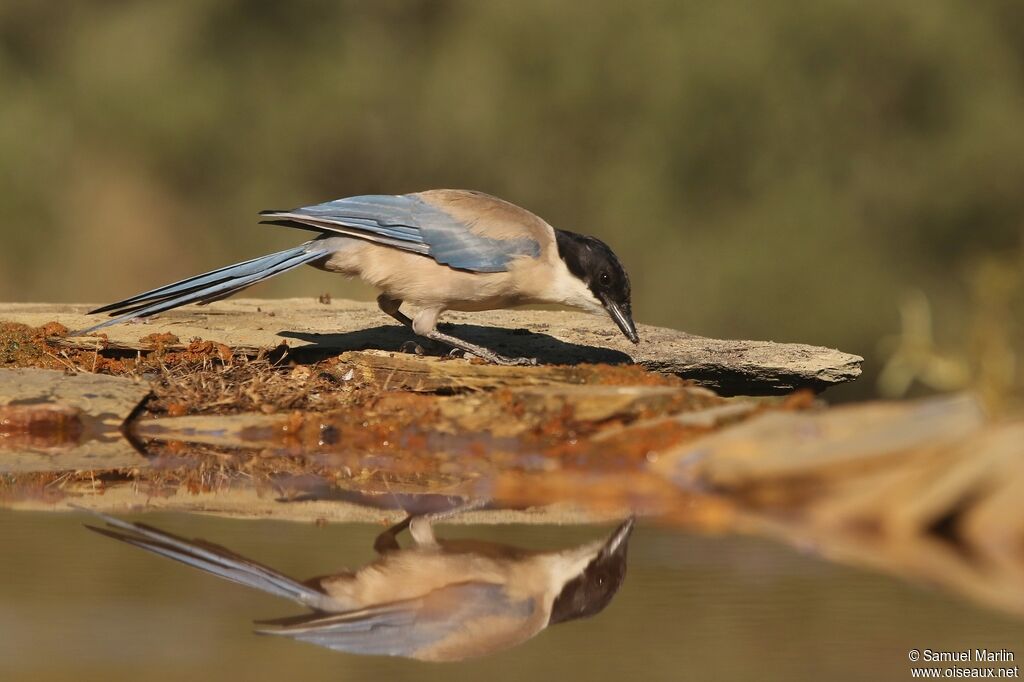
x: 439, y: 600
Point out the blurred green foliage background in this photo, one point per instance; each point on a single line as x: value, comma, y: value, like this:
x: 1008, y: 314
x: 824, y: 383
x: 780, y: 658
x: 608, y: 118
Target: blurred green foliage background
x: 785, y: 170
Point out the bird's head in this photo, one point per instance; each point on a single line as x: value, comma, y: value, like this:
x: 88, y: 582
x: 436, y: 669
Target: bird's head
x: 600, y: 570
x: 591, y: 262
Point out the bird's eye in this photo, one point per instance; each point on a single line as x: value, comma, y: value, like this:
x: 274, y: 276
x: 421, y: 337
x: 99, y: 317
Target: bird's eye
x: 605, y: 278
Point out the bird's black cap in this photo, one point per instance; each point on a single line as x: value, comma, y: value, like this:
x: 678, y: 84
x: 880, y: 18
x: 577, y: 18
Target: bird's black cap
x: 590, y: 592
x: 596, y: 265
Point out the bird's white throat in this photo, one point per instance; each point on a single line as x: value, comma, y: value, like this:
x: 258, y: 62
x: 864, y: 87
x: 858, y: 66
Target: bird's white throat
x: 568, y: 289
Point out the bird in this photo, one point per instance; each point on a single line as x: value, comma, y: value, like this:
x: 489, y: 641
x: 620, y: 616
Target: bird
x: 439, y: 600
x: 431, y: 251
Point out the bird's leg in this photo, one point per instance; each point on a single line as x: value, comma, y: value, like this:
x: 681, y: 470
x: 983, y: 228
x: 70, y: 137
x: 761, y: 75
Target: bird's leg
x: 391, y: 307
x: 388, y: 540
x: 420, y: 527
x: 421, y: 531
x: 425, y: 324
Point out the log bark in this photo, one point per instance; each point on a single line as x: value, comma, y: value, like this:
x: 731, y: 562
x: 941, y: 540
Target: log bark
x: 729, y: 367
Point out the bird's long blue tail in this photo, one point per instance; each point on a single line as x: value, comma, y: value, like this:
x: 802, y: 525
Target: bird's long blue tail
x: 210, y: 558
x: 209, y: 286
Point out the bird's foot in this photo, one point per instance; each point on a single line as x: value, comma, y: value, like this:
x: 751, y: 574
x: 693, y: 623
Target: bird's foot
x: 420, y: 525
x: 478, y: 351
x: 469, y: 505
x: 520, y: 362
x: 493, y: 358
x: 412, y: 347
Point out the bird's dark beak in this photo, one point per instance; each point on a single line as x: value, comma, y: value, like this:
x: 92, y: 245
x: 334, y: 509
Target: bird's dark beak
x: 617, y: 541
x: 622, y: 318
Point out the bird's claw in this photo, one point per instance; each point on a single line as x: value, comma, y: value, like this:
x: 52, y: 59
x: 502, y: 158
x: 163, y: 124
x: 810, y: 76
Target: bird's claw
x: 493, y: 358
x: 517, y: 362
x: 464, y: 506
x: 412, y: 347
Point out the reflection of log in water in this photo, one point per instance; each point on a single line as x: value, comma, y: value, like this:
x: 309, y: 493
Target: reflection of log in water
x: 54, y: 421
x: 924, y: 490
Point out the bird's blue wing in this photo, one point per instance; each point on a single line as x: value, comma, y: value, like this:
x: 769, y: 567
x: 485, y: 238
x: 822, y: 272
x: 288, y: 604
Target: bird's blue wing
x: 406, y: 628
x: 409, y: 223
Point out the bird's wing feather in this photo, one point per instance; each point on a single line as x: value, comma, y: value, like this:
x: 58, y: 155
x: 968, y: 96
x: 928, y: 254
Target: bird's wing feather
x: 410, y: 223
x: 405, y: 628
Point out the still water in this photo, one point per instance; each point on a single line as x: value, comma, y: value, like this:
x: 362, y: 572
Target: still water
x: 74, y: 605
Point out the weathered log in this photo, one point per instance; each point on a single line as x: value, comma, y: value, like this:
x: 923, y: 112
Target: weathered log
x: 306, y: 326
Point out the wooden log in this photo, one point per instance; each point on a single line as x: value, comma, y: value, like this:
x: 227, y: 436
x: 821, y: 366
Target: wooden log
x: 562, y: 338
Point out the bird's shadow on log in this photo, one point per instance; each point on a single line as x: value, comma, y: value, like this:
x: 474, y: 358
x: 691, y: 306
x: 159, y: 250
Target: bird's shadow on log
x: 512, y: 342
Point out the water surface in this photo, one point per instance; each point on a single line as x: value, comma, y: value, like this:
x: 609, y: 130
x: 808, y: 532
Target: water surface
x: 74, y: 605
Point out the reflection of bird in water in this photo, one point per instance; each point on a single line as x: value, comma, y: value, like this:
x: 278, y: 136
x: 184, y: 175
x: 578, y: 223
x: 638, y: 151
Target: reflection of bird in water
x: 440, y: 600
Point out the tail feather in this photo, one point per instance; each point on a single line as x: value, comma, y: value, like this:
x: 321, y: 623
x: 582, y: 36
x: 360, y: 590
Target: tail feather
x: 209, y: 286
x: 211, y: 558
x: 248, y: 267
